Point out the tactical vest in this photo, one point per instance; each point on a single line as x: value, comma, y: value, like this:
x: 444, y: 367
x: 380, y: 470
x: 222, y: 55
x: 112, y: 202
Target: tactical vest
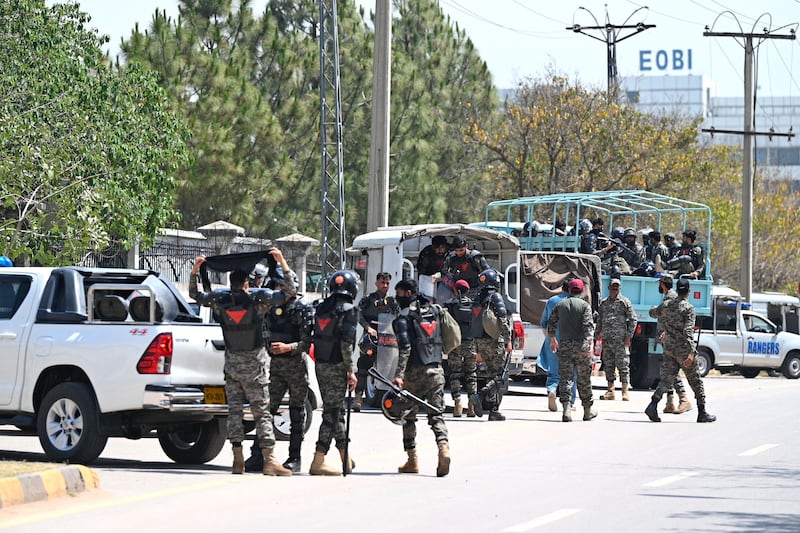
x: 279, y: 324
x: 426, y: 346
x: 375, y: 306
x: 241, y: 325
x: 327, y: 331
x: 461, y: 310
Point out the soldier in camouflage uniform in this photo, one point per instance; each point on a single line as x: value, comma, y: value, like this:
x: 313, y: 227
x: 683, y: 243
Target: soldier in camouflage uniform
x: 419, y: 369
x: 574, y: 348
x: 494, y: 351
x: 689, y: 260
x: 463, y: 359
x: 679, y: 351
x: 245, y: 360
x: 334, y: 338
x: 369, y: 309
x: 665, y: 288
x: 462, y: 263
x: 287, y: 332
x: 616, y: 322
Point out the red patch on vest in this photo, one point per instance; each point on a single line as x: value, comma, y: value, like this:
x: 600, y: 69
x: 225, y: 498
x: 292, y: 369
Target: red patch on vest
x: 477, y: 310
x: 428, y: 327
x: 237, y: 315
x: 323, y: 322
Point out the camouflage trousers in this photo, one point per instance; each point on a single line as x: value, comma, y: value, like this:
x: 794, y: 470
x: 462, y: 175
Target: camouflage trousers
x: 332, y: 378
x: 287, y: 373
x: 426, y: 382
x: 614, y: 358
x: 573, y: 355
x: 462, y: 362
x: 493, y: 353
x: 669, y: 378
x: 246, y: 380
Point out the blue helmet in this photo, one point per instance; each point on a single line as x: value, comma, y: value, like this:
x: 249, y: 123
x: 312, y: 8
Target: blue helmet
x: 489, y: 278
x: 5, y: 261
x: 344, y: 282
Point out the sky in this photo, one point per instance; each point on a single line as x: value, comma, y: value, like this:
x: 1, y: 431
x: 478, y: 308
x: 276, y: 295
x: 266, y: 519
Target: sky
x: 522, y: 39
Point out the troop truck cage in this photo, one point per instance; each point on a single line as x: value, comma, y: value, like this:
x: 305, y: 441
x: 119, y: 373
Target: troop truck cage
x: 637, y: 209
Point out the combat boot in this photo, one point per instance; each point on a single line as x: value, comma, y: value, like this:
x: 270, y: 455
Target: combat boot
x: 670, y: 407
x: 458, y: 410
x: 294, y: 464
x: 352, y: 464
x: 254, y: 463
x: 496, y: 416
x: 589, y: 412
x: 609, y: 395
x: 470, y: 408
x: 683, y: 405
x: 412, y: 464
x: 271, y: 466
x: 320, y: 468
x: 551, y: 401
x: 625, y: 389
x: 566, y: 413
x: 357, y: 403
x: 703, y: 415
x: 477, y: 404
x: 443, y: 468
x: 238, y: 460
x: 652, y: 411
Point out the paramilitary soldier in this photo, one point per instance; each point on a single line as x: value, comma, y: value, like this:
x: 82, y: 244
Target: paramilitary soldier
x: 679, y: 351
x: 419, y: 369
x: 665, y: 288
x: 493, y: 350
x: 461, y: 263
x: 616, y: 322
x: 334, y: 338
x: 369, y: 309
x: 287, y: 334
x: 463, y: 359
x: 573, y: 347
x: 241, y: 314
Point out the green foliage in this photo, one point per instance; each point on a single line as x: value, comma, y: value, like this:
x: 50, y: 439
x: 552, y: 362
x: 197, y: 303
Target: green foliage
x: 88, y: 154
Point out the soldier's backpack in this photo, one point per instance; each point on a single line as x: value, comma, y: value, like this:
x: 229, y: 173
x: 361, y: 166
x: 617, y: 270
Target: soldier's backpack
x: 491, y: 323
x: 451, y: 332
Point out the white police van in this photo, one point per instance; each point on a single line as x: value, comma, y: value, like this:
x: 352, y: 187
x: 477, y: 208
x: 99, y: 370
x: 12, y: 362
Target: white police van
x: 737, y: 338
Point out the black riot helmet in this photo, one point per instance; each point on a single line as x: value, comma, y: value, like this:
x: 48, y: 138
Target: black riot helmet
x: 368, y: 345
x: 489, y: 278
x: 396, y: 408
x: 344, y: 282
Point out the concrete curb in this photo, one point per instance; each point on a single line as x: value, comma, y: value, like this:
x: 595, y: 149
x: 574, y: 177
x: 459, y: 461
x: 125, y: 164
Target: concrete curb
x: 47, y: 485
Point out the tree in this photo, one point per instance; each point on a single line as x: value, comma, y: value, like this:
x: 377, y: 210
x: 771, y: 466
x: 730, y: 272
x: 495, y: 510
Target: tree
x: 88, y: 154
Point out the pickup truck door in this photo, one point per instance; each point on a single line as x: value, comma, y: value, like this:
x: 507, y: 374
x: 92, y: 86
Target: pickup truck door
x: 15, y: 308
x: 761, y: 341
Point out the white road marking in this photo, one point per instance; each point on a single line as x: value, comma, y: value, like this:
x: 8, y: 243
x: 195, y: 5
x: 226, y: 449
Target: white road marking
x: 542, y: 520
x: 669, y: 479
x: 757, y: 450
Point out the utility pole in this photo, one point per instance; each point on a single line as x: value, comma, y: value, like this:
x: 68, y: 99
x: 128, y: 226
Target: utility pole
x: 611, y: 37
x: 746, y: 274
x: 378, y: 186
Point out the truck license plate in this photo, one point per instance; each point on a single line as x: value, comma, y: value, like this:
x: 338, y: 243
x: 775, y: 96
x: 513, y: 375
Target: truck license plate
x: 214, y: 395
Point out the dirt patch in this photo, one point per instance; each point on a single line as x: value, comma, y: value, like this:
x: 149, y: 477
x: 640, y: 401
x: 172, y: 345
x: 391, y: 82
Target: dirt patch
x: 16, y: 468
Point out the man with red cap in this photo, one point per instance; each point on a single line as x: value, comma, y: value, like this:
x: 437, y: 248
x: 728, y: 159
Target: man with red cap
x: 574, y: 348
x: 463, y: 359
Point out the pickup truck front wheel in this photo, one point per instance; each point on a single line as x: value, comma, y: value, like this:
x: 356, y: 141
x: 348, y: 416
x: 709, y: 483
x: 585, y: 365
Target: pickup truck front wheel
x: 791, y: 366
x: 192, y: 444
x: 68, y: 424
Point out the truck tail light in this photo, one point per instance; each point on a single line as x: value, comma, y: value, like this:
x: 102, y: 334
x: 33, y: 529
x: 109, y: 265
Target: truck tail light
x: 519, y: 335
x: 157, y: 358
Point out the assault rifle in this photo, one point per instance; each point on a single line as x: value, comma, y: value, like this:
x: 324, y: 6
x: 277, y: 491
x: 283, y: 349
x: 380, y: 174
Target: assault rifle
x: 402, y: 392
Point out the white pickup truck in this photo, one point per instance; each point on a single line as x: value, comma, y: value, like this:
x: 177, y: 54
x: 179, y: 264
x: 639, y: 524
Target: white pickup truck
x: 91, y: 353
x: 734, y: 338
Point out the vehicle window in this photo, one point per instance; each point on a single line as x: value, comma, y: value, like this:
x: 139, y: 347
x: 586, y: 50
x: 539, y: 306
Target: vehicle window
x: 12, y: 292
x: 726, y: 320
x: 758, y: 325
